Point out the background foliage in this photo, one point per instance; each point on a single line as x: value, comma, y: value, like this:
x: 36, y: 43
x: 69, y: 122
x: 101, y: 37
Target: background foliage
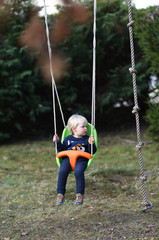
x: 147, y: 30
x: 147, y: 33
x: 23, y: 94
x: 25, y: 99
x: 113, y: 61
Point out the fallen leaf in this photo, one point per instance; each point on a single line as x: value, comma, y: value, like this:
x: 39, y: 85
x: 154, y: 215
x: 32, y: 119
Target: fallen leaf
x: 24, y: 233
x: 4, y: 221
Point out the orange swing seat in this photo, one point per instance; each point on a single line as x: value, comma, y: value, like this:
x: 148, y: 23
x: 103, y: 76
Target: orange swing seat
x: 73, y: 155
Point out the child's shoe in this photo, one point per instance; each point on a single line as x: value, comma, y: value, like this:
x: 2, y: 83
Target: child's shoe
x: 79, y: 199
x: 60, y: 199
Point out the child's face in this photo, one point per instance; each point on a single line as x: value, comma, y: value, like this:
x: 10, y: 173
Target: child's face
x: 80, y: 130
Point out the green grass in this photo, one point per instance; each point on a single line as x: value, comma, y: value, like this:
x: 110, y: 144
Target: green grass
x: 112, y: 204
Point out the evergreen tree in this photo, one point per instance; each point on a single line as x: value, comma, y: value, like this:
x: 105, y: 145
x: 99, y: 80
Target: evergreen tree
x: 23, y: 95
x: 114, y: 84
x: 25, y: 98
x: 147, y: 33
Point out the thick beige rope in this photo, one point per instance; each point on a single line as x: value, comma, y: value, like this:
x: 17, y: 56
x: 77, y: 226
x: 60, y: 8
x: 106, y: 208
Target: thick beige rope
x: 136, y: 109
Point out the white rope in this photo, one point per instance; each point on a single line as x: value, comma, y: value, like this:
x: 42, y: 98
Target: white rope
x: 93, y: 74
x: 54, y: 88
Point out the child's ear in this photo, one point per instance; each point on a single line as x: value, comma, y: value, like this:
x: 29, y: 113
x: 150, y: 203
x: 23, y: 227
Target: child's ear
x: 73, y: 129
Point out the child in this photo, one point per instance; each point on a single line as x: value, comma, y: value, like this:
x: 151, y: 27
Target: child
x: 77, y: 125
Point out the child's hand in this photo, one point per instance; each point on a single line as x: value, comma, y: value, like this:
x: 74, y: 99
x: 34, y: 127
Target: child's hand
x: 91, y: 139
x: 55, y: 138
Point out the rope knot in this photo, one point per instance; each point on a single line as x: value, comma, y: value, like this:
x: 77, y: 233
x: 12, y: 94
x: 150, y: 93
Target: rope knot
x: 143, y: 178
x: 132, y: 70
x: 135, y: 109
x: 140, y: 145
x: 131, y: 24
x: 147, y: 204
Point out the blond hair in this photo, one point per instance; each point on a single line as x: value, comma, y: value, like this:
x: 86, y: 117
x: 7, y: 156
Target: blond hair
x: 75, y: 120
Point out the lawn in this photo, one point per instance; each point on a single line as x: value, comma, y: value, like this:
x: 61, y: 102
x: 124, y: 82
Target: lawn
x: 112, y: 204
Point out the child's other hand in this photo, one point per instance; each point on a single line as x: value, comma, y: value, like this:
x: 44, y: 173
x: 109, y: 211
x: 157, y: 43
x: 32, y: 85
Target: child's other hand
x: 55, y: 138
x: 91, y: 139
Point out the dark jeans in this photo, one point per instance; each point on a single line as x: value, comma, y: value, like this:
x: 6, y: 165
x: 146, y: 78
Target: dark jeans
x: 65, y: 169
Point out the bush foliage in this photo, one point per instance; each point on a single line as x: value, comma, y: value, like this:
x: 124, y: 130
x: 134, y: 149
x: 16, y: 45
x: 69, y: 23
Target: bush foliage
x: 147, y: 32
x: 25, y: 104
x: 23, y: 94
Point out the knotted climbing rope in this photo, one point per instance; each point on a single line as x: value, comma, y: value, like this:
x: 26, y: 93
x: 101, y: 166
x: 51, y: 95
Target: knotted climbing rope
x: 143, y: 177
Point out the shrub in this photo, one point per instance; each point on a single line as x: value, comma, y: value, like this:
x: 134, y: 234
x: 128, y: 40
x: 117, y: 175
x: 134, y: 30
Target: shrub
x: 152, y: 117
